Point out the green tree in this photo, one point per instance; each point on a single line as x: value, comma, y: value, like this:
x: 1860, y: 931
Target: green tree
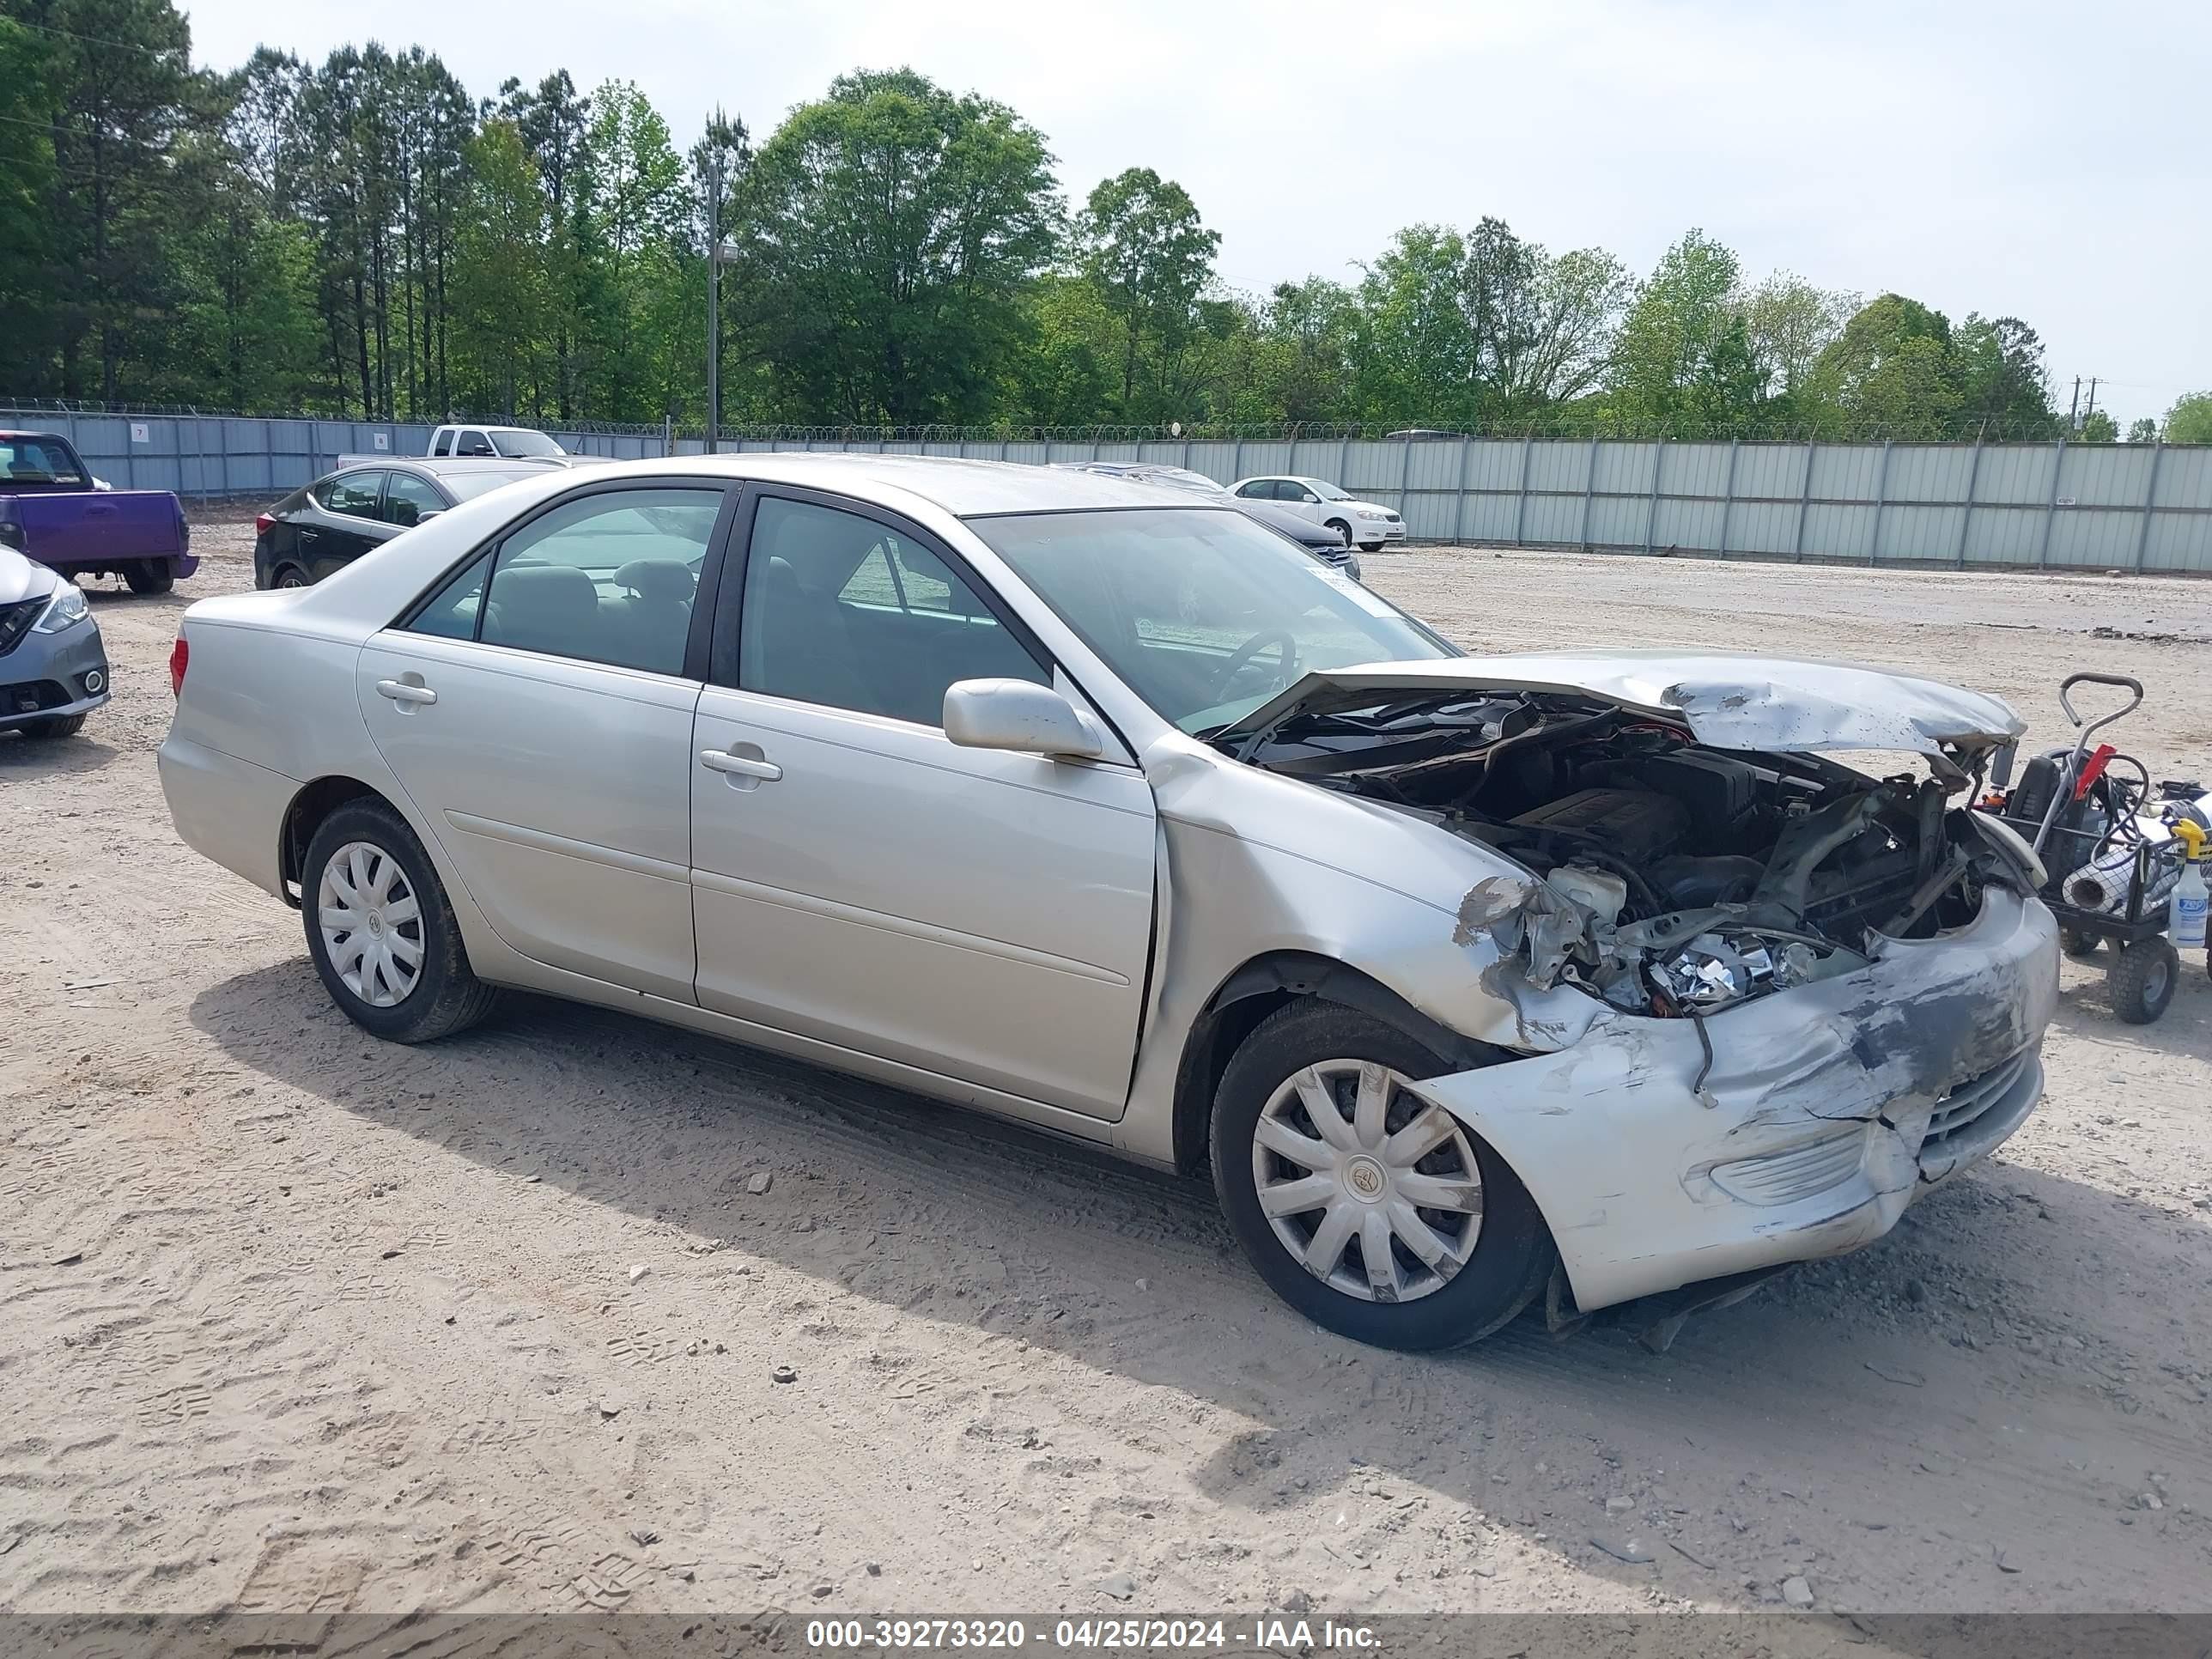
x: 504, y: 301
x: 2002, y: 382
x: 1683, y: 356
x: 2142, y: 430
x: 2098, y: 427
x: 2189, y: 420
x: 1891, y: 373
x: 889, y: 235
x: 1788, y: 324
x: 635, y: 207
x: 1412, y: 350
x: 1141, y: 243
x: 113, y: 116
x: 28, y: 287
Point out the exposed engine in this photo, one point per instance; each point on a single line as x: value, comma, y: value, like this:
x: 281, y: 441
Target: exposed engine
x: 1679, y: 879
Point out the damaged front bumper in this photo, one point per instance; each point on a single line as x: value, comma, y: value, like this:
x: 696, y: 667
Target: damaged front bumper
x: 1819, y: 1115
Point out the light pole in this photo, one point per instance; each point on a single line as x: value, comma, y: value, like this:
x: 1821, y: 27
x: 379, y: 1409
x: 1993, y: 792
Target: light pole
x: 713, y: 300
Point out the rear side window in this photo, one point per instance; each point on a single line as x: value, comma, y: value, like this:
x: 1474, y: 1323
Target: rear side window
x: 445, y: 444
x: 354, y: 494
x: 607, y: 578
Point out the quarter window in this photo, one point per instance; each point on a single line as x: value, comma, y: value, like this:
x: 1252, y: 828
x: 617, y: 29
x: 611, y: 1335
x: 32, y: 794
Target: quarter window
x: 353, y: 493
x: 606, y: 578
x: 452, y: 612
x: 844, y: 611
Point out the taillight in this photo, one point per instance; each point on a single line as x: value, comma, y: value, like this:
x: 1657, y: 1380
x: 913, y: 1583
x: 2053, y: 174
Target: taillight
x: 180, y: 655
x: 264, y: 524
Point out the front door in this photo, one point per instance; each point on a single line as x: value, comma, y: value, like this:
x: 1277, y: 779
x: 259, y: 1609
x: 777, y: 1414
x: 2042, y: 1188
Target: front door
x: 537, y: 710
x: 859, y: 878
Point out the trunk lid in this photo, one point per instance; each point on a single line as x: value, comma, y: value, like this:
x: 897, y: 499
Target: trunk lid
x: 1725, y: 700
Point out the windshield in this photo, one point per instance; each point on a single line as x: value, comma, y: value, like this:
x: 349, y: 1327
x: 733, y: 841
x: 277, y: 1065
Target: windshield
x: 526, y: 443
x: 467, y: 486
x: 1203, y: 614
x: 1328, y: 492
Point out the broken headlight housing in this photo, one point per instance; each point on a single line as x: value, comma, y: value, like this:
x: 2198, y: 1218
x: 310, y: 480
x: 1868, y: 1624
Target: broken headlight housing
x: 1714, y: 969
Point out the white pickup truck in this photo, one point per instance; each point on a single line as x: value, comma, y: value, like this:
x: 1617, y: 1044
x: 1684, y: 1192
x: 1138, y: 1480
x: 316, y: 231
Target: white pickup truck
x: 507, y: 442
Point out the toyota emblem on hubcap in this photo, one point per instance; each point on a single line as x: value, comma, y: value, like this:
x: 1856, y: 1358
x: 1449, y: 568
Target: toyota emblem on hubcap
x: 1364, y: 1176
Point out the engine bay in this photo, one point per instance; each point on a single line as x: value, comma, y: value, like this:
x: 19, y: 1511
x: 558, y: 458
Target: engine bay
x: 1677, y: 878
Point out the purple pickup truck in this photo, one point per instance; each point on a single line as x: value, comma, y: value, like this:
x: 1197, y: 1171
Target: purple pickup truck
x: 54, y: 511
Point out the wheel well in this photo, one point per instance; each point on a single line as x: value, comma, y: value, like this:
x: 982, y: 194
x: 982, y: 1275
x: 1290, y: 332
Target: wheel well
x: 1257, y: 990
x: 305, y: 815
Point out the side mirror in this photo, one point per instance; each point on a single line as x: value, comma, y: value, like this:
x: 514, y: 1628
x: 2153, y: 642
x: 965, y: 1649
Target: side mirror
x: 1018, y: 716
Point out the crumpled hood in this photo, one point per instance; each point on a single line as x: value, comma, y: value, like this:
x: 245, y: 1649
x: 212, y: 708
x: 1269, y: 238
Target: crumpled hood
x: 23, y: 579
x: 1728, y: 700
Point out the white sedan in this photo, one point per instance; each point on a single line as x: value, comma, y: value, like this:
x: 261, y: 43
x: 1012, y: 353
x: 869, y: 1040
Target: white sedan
x: 1069, y: 799
x: 1364, y: 525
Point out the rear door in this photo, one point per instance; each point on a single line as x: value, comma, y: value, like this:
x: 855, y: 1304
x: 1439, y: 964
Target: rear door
x: 537, y: 705
x: 349, y: 524
x: 859, y: 879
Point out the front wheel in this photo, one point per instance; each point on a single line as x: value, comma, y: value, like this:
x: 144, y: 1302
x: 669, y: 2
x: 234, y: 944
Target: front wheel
x: 1377, y: 1215
x: 151, y: 576
x: 382, y: 933
x: 54, y: 725
x: 1370, y: 547
x: 2142, y: 978
x: 1342, y: 529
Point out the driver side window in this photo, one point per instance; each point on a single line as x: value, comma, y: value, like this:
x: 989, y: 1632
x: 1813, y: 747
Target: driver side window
x: 845, y: 610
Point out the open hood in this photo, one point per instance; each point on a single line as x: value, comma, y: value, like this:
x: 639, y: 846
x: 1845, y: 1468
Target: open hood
x: 1728, y: 700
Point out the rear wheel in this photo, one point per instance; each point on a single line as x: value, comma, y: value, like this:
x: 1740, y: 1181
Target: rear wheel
x: 1377, y: 1215
x: 151, y: 576
x: 2077, y: 944
x: 2142, y: 978
x: 382, y: 933
x: 54, y: 725
x: 288, y: 575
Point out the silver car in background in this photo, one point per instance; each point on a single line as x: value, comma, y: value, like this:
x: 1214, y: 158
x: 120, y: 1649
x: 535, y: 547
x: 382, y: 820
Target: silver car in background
x: 1097, y: 806
x: 53, y: 664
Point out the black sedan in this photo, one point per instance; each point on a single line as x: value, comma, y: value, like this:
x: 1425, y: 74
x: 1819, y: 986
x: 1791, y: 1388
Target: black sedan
x: 342, y: 515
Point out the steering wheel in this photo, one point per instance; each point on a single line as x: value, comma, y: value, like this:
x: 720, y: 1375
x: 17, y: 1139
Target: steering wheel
x: 1243, y: 655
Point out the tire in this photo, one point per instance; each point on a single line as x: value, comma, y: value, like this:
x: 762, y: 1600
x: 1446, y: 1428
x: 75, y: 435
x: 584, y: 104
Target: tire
x: 1506, y: 1250
x: 151, y: 576
x: 288, y: 575
x: 2078, y: 944
x: 445, y: 995
x: 54, y: 725
x: 1370, y: 547
x: 2142, y: 978
x: 1342, y: 529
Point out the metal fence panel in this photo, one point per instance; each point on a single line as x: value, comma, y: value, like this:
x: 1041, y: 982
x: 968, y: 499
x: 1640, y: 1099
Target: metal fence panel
x: 2056, y: 506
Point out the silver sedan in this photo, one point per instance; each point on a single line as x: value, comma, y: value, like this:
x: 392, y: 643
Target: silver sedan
x: 1089, y: 804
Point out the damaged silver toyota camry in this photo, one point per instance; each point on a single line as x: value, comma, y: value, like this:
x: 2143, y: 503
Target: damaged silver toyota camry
x: 1595, y: 977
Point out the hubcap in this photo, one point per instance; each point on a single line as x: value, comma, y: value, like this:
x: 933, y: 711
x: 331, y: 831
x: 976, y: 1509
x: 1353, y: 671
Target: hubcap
x: 372, y: 926
x: 1376, y: 1191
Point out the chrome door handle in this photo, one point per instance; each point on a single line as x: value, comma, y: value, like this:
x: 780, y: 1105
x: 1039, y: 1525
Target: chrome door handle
x: 721, y: 760
x: 400, y: 691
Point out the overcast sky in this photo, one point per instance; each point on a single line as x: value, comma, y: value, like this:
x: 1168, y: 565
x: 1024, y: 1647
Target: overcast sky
x: 2045, y: 160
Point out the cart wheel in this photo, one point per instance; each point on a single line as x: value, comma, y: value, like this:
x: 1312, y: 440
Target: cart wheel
x: 2077, y: 944
x: 2141, y: 979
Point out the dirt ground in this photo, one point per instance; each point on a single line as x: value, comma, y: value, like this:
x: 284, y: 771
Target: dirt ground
x: 293, y: 1319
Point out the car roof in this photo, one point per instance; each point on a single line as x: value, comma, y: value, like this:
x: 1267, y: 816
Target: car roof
x: 437, y: 466
x: 965, y: 489
x: 25, y: 432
